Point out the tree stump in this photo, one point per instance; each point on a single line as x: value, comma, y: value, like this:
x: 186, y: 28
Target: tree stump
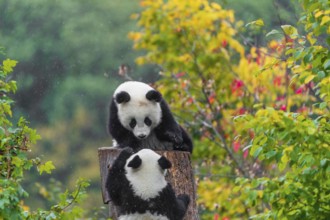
x: 180, y: 175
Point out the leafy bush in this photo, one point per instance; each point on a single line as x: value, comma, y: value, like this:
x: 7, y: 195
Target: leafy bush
x: 259, y: 115
x: 15, y: 145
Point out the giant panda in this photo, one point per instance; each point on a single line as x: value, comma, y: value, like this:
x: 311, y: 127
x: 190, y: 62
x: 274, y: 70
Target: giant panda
x: 136, y: 185
x: 140, y: 118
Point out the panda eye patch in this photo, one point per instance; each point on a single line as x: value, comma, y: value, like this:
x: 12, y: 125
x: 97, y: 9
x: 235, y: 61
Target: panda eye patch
x: 147, y: 121
x: 132, y: 124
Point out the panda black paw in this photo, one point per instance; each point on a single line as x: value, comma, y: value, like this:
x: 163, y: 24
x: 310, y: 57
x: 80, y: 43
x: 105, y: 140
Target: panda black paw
x: 125, y: 153
x: 174, y: 138
x: 185, y: 199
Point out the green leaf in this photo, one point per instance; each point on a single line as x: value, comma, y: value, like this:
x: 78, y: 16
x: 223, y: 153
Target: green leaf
x: 283, y: 162
x: 47, y: 167
x: 323, y: 105
x: 273, y: 32
x: 311, y: 130
x: 8, y: 65
x: 321, y: 74
x: 323, y: 162
x: 259, y: 105
x: 270, y: 154
x: 255, y: 151
x: 326, y: 64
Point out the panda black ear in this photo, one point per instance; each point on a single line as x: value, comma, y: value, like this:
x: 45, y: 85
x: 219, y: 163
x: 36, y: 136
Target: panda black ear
x: 135, y: 162
x: 154, y: 95
x: 164, y: 163
x: 122, y: 97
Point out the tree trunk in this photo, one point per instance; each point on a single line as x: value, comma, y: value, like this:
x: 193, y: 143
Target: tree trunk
x: 180, y: 175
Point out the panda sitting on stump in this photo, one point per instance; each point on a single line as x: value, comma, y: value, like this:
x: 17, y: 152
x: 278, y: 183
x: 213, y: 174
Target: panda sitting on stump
x: 140, y: 118
x: 136, y: 184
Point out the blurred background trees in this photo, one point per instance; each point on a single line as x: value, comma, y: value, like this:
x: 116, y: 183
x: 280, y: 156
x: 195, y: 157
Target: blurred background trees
x: 220, y: 60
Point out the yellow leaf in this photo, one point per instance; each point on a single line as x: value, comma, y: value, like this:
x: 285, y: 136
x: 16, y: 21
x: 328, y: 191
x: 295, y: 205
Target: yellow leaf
x: 311, y: 39
x: 309, y: 78
x: 140, y: 61
x: 215, y: 6
x: 260, y: 22
x: 318, y: 14
x: 325, y: 20
x: 290, y: 30
x: 135, y: 36
x: 284, y: 161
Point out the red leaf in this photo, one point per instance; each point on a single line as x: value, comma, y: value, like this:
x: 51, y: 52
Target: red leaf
x: 245, y: 154
x: 277, y: 81
x: 179, y: 75
x: 299, y: 90
x: 211, y: 98
x: 283, y: 107
x: 224, y: 43
x: 236, y: 146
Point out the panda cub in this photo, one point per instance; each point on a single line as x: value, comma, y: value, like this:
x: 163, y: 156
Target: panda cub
x: 137, y: 186
x: 140, y: 118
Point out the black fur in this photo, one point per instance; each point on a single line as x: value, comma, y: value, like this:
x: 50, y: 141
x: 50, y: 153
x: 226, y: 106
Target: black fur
x: 135, y: 163
x: 121, y: 194
x: 164, y: 163
x: 167, y: 131
x: 154, y: 95
x: 122, y: 97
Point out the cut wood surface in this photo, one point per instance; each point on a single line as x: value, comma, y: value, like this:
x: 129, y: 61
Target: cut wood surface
x: 180, y: 175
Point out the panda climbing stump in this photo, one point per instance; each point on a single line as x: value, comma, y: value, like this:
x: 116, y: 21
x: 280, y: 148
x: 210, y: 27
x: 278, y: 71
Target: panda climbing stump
x: 180, y: 176
x: 140, y: 118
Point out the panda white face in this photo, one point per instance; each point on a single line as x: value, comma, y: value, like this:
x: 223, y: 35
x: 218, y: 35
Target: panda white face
x: 138, y: 108
x: 145, y: 171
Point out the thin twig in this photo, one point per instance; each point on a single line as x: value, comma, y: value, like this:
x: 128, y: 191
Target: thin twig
x: 74, y: 198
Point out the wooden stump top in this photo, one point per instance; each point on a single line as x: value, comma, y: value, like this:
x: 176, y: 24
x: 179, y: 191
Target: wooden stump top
x: 180, y: 175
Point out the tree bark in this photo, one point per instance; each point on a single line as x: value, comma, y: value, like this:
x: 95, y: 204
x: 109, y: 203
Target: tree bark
x: 180, y: 176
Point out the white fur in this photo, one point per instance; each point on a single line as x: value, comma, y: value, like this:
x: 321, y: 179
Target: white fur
x: 138, y: 107
x: 144, y: 216
x: 148, y: 180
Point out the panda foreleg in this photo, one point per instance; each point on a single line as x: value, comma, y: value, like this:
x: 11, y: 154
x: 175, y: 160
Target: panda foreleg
x: 115, y: 128
x: 187, y: 144
x: 168, y: 126
x: 116, y: 176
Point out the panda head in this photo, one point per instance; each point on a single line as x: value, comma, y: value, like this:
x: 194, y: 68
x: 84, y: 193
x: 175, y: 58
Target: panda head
x: 139, y: 108
x: 145, y: 170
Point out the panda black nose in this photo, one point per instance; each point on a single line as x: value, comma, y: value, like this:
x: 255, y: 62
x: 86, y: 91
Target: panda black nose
x: 141, y: 136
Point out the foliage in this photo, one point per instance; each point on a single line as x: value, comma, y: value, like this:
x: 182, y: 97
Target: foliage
x: 272, y: 161
x: 14, y: 148
x: 298, y: 147
x: 67, y: 73
x: 69, y: 53
x: 66, y: 38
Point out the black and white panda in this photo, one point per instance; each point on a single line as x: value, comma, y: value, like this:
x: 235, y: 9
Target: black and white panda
x: 137, y: 186
x: 140, y: 118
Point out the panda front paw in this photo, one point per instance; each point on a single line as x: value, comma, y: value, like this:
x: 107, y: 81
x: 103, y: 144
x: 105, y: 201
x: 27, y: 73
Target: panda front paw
x: 174, y: 138
x: 185, y: 199
x: 120, y: 161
